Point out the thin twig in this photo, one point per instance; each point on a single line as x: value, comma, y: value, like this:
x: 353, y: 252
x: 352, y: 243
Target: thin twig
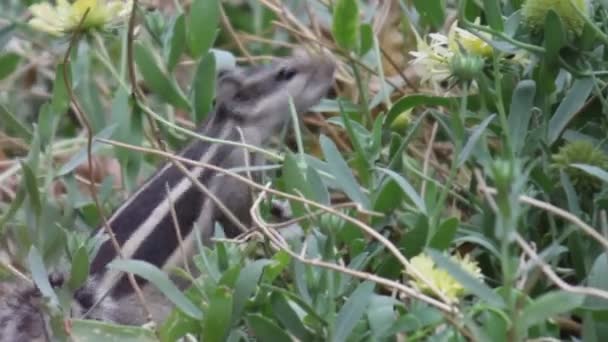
x: 16, y: 272
x: 280, y: 243
x: 561, y: 213
x: 546, y: 269
x: 320, y: 122
x: 253, y: 38
x: 84, y: 119
x: 228, y: 26
x: 178, y: 231
x: 320, y: 212
x: 405, y: 79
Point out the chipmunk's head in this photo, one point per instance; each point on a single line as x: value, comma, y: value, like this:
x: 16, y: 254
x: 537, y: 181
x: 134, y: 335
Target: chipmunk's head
x: 261, y: 95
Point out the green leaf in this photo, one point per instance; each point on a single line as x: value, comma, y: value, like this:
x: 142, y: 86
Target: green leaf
x: 570, y: 105
x: 549, y: 305
x: 317, y: 188
x: 468, y: 147
x: 129, y: 130
x: 203, y: 87
x: 246, y: 284
x: 216, y: 324
x: 352, y: 311
x: 343, y: 174
x: 12, y: 210
x: 40, y: 275
x: 571, y: 195
x: 31, y: 184
x: 295, y: 183
x: 470, y: 283
x: 345, y: 26
x: 33, y: 155
x: 311, y: 315
x: 177, y: 40
x: 387, y: 197
x: 159, y: 279
x: 10, y: 121
x: 266, y: 330
x: 97, y: 331
x: 157, y: 79
x: 203, y: 20
x: 301, y: 285
x: 177, y: 325
x: 8, y: 64
x: 47, y: 124
x: 410, y: 101
x: 86, y: 86
x: 593, y: 170
x: 598, y: 278
x: 415, y: 239
x: 493, y: 14
x: 80, y: 268
x: 408, y: 190
x: 445, y: 234
x: 82, y: 156
x: 280, y: 261
x: 357, y: 134
x: 61, y: 100
x: 367, y: 39
x: 283, y: 311
x: 335, y: 106
x: 432, y: 11
x: 381, y: 315
x: 555, y: 40
x: 520, y: 113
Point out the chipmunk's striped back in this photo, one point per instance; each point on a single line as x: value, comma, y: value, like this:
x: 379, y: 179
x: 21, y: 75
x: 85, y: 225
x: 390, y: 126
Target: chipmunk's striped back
x: 252, y: 104
x: 146, y: 228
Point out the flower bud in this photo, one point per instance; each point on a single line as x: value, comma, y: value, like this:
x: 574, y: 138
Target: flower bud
x: 466, y: 68
x: 535, y: 11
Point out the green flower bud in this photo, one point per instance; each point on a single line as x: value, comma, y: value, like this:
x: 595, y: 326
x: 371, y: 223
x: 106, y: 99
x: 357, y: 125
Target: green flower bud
x: 466, y: 68
x: 580, y: 152
x: 402, y: 120
x: 535, y: 11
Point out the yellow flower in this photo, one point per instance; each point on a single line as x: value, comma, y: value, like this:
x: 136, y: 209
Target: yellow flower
x: 65, y: 17
x: 441, y: 279
x: 458, y: 37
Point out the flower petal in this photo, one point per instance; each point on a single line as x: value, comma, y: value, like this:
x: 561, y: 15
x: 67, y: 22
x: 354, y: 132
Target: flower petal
x: 42, y: 25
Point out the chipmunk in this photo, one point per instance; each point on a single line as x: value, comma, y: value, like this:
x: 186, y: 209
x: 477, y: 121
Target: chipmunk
x: 251, y: 105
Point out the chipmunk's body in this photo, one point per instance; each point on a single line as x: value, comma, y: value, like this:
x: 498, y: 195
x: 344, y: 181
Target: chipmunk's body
x: 252, y: 104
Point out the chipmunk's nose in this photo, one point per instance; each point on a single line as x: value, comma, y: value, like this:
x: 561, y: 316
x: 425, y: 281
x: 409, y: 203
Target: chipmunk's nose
x: 326, y: 64
x: 323, y: 62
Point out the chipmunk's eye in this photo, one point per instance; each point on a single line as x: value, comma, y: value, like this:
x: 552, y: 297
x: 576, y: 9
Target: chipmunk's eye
x: 285, y: 74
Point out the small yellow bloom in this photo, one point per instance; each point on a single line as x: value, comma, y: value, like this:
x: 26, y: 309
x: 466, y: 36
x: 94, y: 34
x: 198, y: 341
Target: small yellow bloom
x: 458, y: 37
x: 441, y: 279
x: 65, y: 17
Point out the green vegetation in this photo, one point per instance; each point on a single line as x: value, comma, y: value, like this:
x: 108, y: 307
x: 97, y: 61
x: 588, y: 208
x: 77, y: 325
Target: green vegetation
x: 455, y: 188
